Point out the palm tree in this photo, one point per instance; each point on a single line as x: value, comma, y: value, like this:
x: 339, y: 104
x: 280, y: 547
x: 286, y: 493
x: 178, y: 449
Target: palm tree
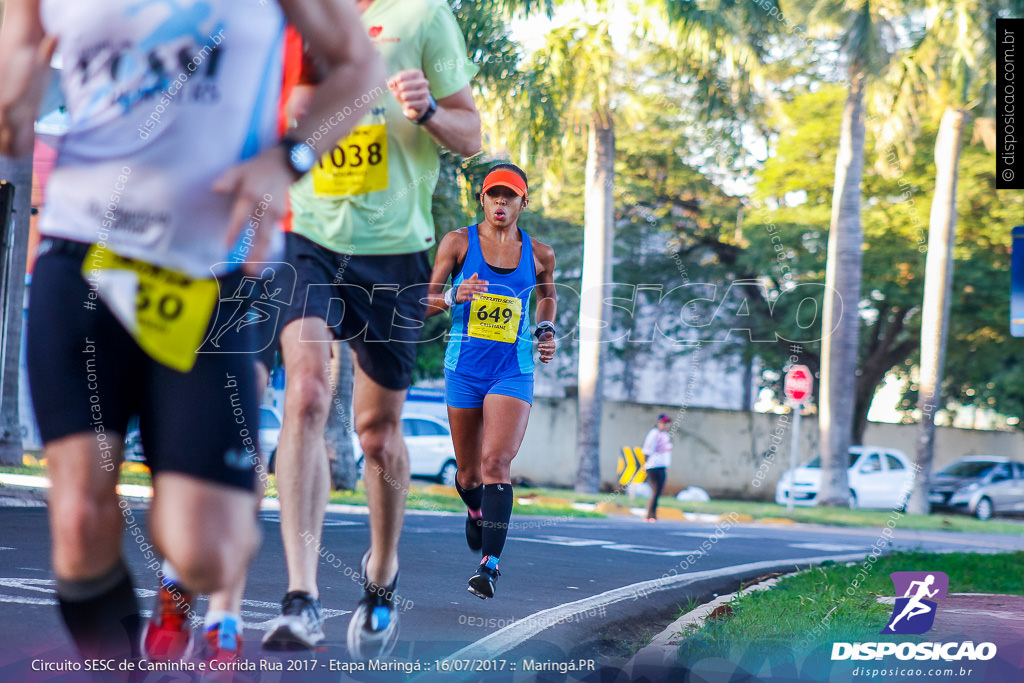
x: 568, y: 92
x: 340, y: 420
x: 859, y: 24
x: 950, y: 69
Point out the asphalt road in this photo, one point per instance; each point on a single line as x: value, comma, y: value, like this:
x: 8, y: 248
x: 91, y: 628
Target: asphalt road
x: 571, y: 590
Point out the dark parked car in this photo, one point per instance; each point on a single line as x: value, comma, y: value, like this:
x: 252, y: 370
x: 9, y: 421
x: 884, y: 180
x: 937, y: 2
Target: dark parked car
x: 981, y: 485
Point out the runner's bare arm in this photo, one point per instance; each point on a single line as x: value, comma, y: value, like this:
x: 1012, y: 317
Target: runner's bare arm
x: 25, y: 54
x: 452, y: 250
x: 353, y: 76
x: 352, y: 71
x: 547, y: 301
x: 455, y: 126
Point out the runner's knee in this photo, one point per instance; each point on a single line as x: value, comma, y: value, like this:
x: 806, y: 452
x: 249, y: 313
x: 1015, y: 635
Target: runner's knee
x: 82, y: 531
x: 469, y: 477
x: 209, y: 569
x: 380, y: 441
x: 495, y: 469
x: 311, y: 398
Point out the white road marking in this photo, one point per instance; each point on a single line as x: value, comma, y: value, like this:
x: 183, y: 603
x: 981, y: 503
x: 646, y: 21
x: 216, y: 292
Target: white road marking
x: 258, y: 615
x: 496, y: 644
x: 40, y: 585
x: 571, y: 542
x: 22, y: 600
x: 568, y: 541
x: 698, y: 534
x: 275, y: 517
x: 826, y: 547
x: 262, y: 625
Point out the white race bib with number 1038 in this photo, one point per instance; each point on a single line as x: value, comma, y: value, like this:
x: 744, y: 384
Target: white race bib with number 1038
x: 495, y: 317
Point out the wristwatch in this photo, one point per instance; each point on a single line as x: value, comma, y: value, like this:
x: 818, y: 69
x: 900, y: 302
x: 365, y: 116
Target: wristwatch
x: 300, y: 157
x: 544, y: 327
x: 428, y: 113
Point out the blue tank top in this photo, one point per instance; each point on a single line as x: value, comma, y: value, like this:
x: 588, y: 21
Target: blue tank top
x: 491, y: 336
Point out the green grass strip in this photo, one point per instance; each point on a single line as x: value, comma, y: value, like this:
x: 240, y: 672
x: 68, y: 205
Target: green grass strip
x: 832, y: 603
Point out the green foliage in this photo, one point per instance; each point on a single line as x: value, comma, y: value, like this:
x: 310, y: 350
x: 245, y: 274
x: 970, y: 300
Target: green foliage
x: 833, y: 603
x: 895, y: 208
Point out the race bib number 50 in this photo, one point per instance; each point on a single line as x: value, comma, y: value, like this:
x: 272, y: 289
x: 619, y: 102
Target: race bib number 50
x: 357, y: 165
x: 495, y: 317
x: 166, y: 312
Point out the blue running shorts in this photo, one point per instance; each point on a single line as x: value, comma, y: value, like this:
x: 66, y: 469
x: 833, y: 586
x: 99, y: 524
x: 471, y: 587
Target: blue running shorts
x: 461, y: 391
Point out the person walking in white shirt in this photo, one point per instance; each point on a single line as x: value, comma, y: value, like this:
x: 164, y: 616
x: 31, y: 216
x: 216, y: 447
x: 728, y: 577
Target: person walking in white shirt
x: 658, y: 453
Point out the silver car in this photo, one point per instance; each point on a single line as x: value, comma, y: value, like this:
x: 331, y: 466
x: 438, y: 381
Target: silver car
x: 981, y: 485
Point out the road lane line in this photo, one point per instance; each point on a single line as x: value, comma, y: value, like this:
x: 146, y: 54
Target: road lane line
x: 828, y: 547
x: 1012, y: 542
x: 513, y: 635
x: 606, y: 545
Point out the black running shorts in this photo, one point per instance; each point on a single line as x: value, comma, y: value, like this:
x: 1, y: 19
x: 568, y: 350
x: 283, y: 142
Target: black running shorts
x: 88, y: 375
x: 373, y: 302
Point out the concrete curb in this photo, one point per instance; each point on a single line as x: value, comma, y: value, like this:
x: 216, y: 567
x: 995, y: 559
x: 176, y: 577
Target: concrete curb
x: 660, y: 655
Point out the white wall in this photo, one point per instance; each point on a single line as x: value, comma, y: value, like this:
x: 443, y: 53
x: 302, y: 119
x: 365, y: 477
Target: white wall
x: 719, y: 450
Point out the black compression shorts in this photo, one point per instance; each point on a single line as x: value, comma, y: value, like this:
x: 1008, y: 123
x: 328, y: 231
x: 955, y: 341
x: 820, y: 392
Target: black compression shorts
x: 88, y: 375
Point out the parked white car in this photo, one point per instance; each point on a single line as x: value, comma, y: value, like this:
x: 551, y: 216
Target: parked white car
x: 431, y: 453
x: 270, y: 430
x: 879, y: 478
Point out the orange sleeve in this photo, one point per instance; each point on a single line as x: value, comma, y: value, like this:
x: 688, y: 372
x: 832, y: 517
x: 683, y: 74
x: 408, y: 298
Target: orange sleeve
x: 292, y: 72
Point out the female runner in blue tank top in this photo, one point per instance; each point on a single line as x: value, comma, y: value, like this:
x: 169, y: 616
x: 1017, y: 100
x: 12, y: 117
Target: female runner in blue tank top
x: 494, y: 267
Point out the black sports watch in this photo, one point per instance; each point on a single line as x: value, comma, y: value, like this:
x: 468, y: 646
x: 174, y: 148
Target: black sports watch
x: 300, y: 157
x: 428, y: 113
x: 543, y: 327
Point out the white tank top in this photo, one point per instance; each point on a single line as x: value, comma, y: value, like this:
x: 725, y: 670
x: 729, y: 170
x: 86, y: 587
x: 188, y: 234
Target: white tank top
x: 163, y: 97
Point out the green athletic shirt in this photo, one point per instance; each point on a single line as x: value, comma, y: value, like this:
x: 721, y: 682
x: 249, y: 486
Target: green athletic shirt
x: 386, y: 213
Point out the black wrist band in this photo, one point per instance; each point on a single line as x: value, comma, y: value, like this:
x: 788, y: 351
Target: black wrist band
x: 542, y: 328
x: 428, y: 113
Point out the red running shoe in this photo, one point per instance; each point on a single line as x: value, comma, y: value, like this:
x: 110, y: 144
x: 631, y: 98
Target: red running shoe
x: 167, y: 636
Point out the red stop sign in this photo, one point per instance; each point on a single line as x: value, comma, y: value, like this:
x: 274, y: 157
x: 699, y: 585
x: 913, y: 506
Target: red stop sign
x: 798, y: 383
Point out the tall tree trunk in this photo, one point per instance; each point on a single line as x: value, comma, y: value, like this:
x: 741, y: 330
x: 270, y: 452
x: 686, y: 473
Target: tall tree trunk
x: 841, y: 321
x: 13, y: 255
x: 338, y: 432
x: 599, y: 230
x: 938, y: 287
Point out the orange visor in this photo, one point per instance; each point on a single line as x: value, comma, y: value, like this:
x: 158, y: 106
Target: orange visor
x: 506, y: 178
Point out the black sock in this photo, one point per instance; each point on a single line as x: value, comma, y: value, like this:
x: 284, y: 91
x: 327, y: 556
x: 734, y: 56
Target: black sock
x: 497, y: 511
x: 473, y: 497
x: 102, y: 614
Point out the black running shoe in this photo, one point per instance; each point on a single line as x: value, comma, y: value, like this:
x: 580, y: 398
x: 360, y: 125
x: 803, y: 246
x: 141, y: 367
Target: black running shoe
x: 373, y: 630
x: 482, y: 583
x: 300, y: 626
x: 474, y: 533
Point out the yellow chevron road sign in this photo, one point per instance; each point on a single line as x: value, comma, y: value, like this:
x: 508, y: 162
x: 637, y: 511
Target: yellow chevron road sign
x: 631, y: 466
